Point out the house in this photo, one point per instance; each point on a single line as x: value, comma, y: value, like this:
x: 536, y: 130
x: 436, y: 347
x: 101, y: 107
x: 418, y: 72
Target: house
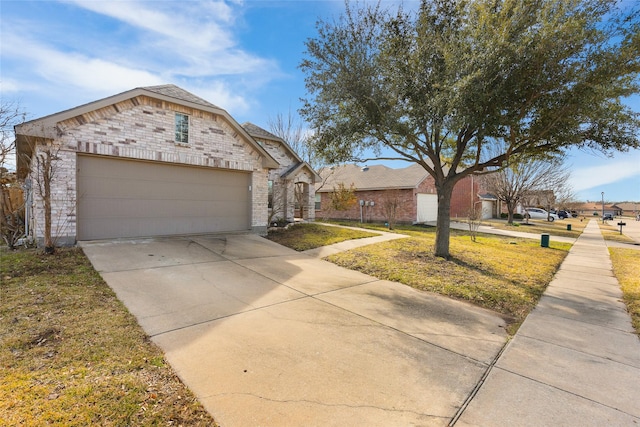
x: 152, y: 161
x: 412, y: 187
x: 291, y: 186
x: 628, y: 208
x: 596, y: 209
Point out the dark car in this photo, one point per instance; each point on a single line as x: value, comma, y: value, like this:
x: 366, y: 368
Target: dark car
x: 564, y: 214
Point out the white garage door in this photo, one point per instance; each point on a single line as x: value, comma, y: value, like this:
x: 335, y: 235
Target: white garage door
x: 125, y: 198
x: 427, y: 207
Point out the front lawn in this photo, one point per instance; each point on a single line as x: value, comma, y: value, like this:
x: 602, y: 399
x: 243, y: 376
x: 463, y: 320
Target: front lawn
x: 302, y: 237
x: 504, y: 274
x: 71, y: 354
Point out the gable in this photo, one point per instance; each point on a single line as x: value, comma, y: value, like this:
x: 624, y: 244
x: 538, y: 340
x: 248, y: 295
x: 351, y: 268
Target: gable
x: 111, y: 120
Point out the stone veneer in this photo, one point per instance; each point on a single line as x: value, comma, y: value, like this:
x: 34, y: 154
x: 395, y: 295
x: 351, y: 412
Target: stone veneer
x: 142, y: 128
x: 285, y: 189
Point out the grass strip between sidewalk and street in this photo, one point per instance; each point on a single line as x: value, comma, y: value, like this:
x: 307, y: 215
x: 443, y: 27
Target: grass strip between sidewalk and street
x: 626, y: 265
x: 71, y: 354
x: 505, y: 274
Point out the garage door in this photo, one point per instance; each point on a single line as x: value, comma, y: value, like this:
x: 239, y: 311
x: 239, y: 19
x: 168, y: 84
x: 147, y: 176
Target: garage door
x: 427, y: 207
x: 124, y: 198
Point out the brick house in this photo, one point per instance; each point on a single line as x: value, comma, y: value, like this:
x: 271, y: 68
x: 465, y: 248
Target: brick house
x: 152, y: 161
x: 412, y: 186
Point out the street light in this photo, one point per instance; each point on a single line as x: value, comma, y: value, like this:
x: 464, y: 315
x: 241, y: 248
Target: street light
x: 602, y: 206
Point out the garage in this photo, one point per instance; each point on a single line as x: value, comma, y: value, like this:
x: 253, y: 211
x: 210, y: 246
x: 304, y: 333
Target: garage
x: 131, y: 198
x: 427, y: 207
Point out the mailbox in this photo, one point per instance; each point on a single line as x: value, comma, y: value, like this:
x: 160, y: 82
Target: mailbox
x: 621, y: 224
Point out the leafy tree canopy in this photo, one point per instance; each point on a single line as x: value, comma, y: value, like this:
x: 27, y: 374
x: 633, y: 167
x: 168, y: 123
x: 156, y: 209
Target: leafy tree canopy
x: 443, y: 85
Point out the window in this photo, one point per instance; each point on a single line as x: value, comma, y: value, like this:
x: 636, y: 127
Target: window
x: 182, y: 128
x: 270, y: 192
x: 318, y: 202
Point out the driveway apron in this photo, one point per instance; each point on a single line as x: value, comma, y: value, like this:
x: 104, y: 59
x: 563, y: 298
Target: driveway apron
x: 266, y: 336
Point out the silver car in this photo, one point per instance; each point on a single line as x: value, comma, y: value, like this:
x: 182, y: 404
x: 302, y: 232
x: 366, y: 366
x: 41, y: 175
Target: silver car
x: 537, y: 213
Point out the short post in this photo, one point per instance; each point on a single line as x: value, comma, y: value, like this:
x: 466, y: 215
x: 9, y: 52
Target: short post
x: 621, y: 224
x: 568, y: 227
x: 544, y: 240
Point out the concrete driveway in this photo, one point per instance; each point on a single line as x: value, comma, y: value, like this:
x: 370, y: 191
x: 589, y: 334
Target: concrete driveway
x: 266, y: 336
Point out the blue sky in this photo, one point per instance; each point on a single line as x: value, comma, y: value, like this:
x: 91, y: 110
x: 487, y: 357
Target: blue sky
x: 240, y: 55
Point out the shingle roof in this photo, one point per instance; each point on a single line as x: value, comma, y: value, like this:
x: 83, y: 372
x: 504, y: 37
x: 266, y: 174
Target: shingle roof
x: 174, y: 91
x: 255, y: 130
x: 377, y: 177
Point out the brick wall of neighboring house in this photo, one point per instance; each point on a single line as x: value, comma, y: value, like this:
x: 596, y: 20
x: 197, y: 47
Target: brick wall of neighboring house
x: 406, y: 208
x: 143, y: 128
x: 465, y: 194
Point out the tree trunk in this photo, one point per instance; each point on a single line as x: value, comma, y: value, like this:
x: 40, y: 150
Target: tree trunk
x: 510, y: 208
x: 443, y: 232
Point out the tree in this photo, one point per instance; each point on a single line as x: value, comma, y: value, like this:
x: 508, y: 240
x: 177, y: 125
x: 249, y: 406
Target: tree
x: 291, y: 130
x: 516, y: 183
x: 443, y: 85
x: 11, y: 220
x: 390, y: 204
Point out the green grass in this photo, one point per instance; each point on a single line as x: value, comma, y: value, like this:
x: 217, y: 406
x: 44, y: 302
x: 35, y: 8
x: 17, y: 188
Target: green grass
x: 71, y: 354
x: 626, y: 265
x: 302, y: 237
x: 504, y: 274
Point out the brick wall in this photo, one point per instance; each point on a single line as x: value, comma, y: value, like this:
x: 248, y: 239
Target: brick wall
x: 463, y: 197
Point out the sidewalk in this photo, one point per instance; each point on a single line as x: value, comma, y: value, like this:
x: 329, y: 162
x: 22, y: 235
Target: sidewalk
x: 575, y: 361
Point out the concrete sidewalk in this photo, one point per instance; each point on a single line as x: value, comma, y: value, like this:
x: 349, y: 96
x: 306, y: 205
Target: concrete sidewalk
x: 575, y: 361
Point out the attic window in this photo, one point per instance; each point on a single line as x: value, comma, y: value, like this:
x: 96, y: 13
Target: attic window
x: 182, y: 128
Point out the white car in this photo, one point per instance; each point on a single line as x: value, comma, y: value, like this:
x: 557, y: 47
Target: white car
x: 536, y: 213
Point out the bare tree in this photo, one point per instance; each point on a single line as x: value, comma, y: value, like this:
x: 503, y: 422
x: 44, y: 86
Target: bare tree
x: 390, y: 205
x: 11, y: 208
x: 293, y: 133
x: 474, y: 218
x: 520, y: 182
x: 44, y: 174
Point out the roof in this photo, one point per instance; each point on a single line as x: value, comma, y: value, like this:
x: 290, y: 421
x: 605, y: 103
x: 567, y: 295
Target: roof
x: 178, y: 93
x: 258, y: 132
x: 46, y: 127
x: 377, y: 177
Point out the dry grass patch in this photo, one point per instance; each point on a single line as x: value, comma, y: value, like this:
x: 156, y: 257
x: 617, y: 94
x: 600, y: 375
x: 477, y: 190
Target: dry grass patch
x: 302, y: 237
x: 507, y: 275
x: 71, y: 354
x: 626, y: 265
x: 611, y: 231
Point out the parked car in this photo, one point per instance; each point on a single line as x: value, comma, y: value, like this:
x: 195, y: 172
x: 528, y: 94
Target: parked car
x: 608, y: 217
x: 564, y: 214
x: 537, y: 213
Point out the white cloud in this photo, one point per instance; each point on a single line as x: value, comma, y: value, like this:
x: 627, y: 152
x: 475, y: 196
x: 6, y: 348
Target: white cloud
x: 611, y: 172
x: 77, y: 70
x: 193, y: 24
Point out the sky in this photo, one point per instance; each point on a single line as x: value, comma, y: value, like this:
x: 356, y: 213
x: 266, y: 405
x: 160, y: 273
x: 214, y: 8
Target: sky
x: 242, y: 56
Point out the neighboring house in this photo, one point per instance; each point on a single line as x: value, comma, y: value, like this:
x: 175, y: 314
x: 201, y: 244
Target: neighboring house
x: 291, y: 186
x: 412, y: 186
x: 595, y: 209
x: 628, y: 208
x: 152, y: 161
